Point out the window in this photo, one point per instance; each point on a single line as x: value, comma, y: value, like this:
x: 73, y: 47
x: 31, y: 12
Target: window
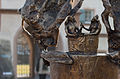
x: 23, y: 57
x: 6, y: 69
x: 86, y: 16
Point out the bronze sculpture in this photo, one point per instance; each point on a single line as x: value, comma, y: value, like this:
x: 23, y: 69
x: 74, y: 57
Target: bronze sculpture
x: 78, y: 36
x: 44, y: 17
x: 95, y: 26
x: 112, y: 9
x: 82, y: 47
x: 82, y: 61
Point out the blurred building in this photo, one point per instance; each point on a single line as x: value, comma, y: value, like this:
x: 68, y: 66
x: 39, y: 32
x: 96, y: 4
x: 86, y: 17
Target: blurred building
x: 21, y: 47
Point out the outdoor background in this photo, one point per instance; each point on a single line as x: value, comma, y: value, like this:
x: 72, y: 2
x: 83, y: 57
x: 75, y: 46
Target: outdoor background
x: 17, y: 49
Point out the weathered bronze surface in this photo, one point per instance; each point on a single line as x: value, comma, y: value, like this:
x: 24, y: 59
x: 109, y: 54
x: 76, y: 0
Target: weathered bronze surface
x: 81, y: 62
x: 83, y: 51
x: 112, y: 9
x: 58, y: 57
x: 81, y: 42
x: 45, y: 17
x: 85, y: 68
x: 72, y: 30
x: 86, y: 44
